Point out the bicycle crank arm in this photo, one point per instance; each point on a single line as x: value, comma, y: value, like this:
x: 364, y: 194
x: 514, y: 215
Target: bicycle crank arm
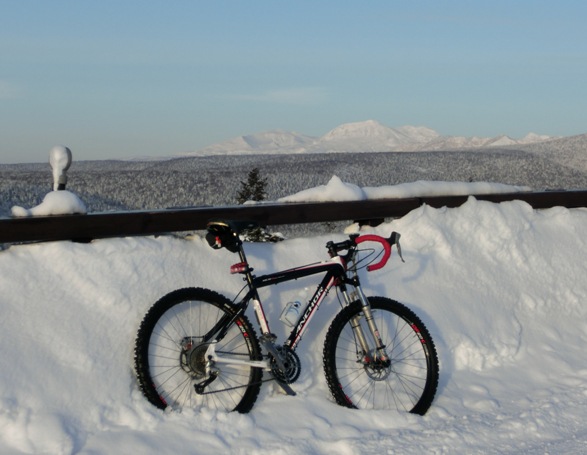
x: 273, y: 352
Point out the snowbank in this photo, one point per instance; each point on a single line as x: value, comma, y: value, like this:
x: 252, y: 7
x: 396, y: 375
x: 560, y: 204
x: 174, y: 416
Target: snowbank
x: 338, y: 191
x: 501, y: 287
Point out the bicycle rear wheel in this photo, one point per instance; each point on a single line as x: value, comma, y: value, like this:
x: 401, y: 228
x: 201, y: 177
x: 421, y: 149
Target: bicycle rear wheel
x: 170, y: 349
x: 357, y: 380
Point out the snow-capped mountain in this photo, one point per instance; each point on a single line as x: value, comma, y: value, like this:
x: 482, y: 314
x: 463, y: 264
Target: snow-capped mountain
x: 268, y: 141
x: 372, y: 136
x: 366, y: 136
x: 475, y: 142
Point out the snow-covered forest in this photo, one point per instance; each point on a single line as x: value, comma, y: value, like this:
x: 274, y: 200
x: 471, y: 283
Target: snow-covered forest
x: 215, y: 180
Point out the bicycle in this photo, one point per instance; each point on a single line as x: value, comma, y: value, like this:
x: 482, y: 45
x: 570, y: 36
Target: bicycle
x: 195, y: 347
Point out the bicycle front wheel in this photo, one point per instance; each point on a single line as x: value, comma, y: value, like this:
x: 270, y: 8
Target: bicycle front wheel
x: 170, y: 354
x: 407, y: 382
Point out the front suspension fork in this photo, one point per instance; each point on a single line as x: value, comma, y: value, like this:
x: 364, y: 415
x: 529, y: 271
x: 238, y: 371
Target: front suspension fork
x: 380, y: 352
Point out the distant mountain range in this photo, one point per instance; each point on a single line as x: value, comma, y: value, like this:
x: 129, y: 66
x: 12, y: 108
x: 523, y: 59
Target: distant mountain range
x: 367, y: 136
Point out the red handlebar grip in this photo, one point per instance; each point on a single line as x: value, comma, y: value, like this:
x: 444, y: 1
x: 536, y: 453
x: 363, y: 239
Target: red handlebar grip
x: 386, y: 249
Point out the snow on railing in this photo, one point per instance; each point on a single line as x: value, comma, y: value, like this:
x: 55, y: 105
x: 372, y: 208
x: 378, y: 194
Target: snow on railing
x: 59, y: 201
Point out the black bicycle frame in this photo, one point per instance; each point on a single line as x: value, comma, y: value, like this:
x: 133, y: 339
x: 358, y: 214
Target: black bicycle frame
x: 334, y: 274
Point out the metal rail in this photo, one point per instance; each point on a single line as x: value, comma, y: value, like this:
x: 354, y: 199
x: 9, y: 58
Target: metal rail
x: 149, y: 222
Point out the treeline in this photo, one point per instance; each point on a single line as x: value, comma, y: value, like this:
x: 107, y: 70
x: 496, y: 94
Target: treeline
x: 197, y: 181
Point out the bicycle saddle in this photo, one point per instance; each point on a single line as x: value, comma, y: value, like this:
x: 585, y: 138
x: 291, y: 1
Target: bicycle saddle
x: 231, y: 226
x: 225, y: 233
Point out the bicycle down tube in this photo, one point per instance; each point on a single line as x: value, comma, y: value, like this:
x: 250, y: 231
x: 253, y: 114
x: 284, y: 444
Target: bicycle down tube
x: 333, y: 270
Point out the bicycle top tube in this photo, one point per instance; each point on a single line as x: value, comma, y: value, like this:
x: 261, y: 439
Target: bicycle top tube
x: 334, y: 267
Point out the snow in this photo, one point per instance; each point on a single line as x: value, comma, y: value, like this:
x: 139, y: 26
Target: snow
x: 370, y: 133
x: 338, y: 191
x: 335, y: 191
x: 357, y: 137
x: 501, y: 141
x: 531, y: 138
x: 501, y: 288
x: 60, y: 202
x: 64, y: 202
x: 267, y: 141
x: 276, y: 139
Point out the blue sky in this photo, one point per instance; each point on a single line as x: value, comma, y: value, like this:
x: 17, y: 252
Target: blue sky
x: 115, y: 79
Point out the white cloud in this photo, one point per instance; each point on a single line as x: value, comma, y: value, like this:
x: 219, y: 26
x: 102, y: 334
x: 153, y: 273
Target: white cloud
x: 296, y: 95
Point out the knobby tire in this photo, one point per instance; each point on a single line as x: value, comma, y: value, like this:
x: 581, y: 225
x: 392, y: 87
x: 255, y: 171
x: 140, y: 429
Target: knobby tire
x: 408, y: 383
x: 169, y: 365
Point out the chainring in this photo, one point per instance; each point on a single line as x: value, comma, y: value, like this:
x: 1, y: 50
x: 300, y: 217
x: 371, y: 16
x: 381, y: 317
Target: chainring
x: 292, y: 363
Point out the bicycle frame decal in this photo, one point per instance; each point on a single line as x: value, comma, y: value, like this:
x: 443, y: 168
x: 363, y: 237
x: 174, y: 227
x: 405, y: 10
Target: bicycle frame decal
x: 299, y: 329
x: 333, y: 269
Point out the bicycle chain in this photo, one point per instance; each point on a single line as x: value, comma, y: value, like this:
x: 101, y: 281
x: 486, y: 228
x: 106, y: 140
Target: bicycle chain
x: 238, y: 386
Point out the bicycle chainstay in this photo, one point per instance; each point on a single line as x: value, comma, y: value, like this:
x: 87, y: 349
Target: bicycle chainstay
x: 232, y: 388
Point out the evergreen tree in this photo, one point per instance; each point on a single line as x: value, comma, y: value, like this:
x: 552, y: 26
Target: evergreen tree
x: 253, y: 189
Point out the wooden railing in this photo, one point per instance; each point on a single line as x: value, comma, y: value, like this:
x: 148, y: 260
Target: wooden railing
x: 149, y: 222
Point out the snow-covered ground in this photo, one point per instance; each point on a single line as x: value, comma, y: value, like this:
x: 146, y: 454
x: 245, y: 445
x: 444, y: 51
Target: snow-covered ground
x: 501, y: 287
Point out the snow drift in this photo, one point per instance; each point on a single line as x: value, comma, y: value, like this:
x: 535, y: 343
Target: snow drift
x: 501, y: 287
x: 338, y: 191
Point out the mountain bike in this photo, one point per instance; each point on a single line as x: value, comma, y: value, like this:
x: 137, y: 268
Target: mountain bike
x: 195, y: 347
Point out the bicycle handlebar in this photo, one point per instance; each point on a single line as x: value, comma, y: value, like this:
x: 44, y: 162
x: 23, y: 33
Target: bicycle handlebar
x: 386, y: 249
x: 387, y: 243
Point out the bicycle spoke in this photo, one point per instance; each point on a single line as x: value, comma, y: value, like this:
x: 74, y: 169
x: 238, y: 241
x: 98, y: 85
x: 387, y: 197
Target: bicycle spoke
x: 170, y: 354
x: 359, y: 379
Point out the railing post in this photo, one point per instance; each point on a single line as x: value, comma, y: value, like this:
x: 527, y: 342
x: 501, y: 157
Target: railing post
x: 60, y: 160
